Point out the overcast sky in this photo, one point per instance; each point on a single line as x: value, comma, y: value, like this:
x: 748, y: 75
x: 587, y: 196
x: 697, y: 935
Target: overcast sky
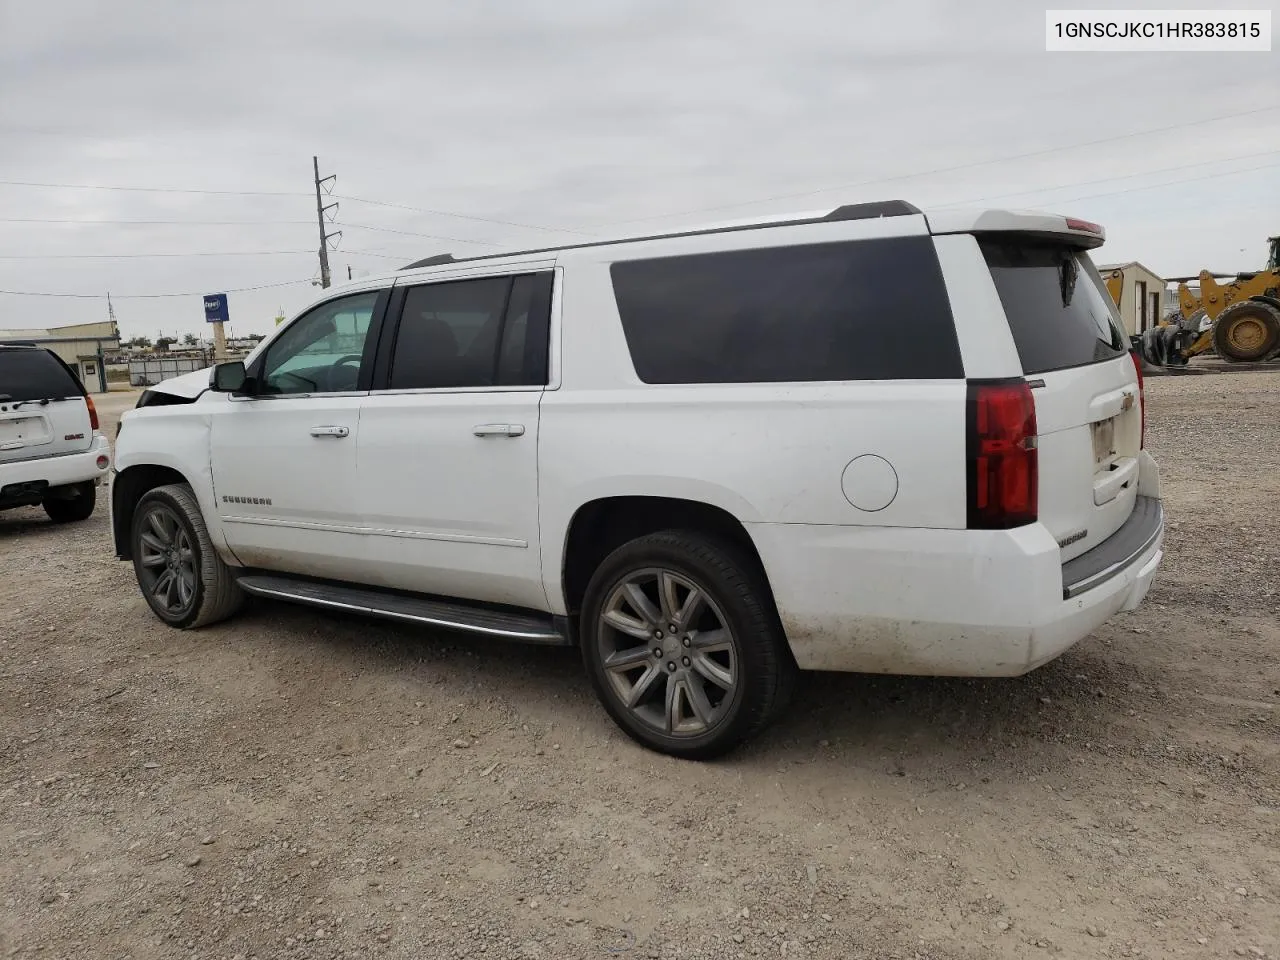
x: 578, y: 116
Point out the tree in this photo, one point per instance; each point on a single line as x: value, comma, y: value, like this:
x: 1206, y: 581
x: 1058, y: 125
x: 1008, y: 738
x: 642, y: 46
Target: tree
x: 140, y: 342
x: 190, y: 340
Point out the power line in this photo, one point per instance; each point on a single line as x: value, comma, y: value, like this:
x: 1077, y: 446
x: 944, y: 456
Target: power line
x: 1127, y: 176
x: 370, y: 253
x: 148, y: 256
x: 147, y: 296
x: 411, y: 233
x: 950, y: 169
x: 239, y: 223
x: 1170, y: 183
x: 459, y: 216
x: 186, y: 223
x: 285, y: 193
x: 97, y: 186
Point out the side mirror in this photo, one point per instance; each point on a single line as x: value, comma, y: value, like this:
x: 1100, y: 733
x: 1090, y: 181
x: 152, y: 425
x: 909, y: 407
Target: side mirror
x: 228, y: 377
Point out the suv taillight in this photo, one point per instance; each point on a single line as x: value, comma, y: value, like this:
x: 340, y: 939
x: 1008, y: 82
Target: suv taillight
x: 1142, y: 397
x: 1003, y: 462
x: 93, y: 411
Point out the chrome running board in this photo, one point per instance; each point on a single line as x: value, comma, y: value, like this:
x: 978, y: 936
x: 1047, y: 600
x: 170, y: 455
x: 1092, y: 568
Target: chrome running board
x: 444, y: 614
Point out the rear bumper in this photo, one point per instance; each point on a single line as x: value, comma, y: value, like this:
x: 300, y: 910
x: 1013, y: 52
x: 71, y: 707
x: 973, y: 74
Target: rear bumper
x: 1118, y: 552
x: 981, y: 603
x: 58, y: 471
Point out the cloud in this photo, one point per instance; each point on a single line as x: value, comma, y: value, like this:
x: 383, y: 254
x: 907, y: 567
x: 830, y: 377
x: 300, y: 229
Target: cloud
x: 581, y: 116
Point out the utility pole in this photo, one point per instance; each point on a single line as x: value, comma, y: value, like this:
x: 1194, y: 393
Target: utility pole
x: 321, y: 207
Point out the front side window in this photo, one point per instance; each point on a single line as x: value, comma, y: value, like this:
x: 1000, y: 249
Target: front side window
x: 323, y: 351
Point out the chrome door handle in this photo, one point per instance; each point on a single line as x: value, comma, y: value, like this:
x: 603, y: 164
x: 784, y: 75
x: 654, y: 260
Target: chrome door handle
x: 328, y: 431
x: 498, y: 430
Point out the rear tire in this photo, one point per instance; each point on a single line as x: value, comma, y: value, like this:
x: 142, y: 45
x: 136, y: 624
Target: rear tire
x: 722, y: 669
x: 1247, y: 331
x: 76, y: 505
x: 181, y: 576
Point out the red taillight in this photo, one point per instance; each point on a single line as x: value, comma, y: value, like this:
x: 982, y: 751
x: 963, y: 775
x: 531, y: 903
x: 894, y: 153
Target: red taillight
x: 1003, y: 462
x: 93, y: 412
x: 1142, y: 396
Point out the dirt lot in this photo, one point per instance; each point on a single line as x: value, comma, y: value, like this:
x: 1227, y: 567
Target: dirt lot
x: 292, y: 785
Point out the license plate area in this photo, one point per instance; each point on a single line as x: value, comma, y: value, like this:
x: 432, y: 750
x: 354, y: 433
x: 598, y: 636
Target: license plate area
x: 23, y: 432
x: 1104, y: 442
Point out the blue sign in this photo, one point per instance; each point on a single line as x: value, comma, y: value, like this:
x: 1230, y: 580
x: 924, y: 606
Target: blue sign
x: 215, y: 307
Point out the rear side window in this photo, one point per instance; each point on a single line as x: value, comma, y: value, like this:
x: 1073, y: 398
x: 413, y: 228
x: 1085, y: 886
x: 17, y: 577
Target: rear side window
x: 473, y: 333
x: 856, y: 310
x: 35, y: 375
x: 448, y: 334
x: 1058, y: 310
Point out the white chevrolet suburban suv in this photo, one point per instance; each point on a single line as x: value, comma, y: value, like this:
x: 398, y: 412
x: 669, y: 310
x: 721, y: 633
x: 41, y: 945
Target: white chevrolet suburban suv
x: 867, y: 439
x: 51, y: 453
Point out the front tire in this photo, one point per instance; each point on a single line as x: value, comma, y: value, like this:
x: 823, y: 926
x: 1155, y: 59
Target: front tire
x: 1247, y: 331
x: 71, y: 504
x: 181, y: 576
x: 683, y: 645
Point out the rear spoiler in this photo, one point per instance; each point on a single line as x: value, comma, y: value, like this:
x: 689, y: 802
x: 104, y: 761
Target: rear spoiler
x: 1078, y: 233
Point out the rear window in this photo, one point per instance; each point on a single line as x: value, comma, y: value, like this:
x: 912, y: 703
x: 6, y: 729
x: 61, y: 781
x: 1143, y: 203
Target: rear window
x: 1058, y: 310
x: 35, y: 375
x: 860, y: 310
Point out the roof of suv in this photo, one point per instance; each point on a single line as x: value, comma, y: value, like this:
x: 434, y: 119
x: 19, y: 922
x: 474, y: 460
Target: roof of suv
x: 955, y: 220
x: 1084, y: 233
x: 849, y: 211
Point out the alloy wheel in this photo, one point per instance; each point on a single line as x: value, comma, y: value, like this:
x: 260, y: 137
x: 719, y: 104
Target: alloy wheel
x: 166, y: 560
x: 668, y: 652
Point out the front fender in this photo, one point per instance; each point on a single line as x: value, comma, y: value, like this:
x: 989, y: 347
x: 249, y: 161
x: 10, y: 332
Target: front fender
x: 175, y: 438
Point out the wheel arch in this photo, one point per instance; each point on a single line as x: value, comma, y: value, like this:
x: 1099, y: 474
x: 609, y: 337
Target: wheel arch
x: 600, y: 526
x: 127, y: 488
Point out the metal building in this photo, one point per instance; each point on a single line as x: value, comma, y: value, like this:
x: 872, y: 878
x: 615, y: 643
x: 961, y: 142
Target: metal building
x: 81, y: 345
x: 1139, y: 293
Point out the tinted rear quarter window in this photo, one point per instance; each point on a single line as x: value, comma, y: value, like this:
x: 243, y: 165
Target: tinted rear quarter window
x: 853, y: 310
x: 35, y: 375
x: 1059, y: 313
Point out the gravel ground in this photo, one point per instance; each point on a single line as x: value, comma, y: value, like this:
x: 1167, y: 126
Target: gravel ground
x: 296, y: 785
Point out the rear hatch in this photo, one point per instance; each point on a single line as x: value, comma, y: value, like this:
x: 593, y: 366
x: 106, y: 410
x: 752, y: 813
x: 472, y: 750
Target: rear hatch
x: 1085, y: 385
x: 43, y: 410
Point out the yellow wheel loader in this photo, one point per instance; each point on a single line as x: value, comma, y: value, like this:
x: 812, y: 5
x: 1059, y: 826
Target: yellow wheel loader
x: 1239, y: 320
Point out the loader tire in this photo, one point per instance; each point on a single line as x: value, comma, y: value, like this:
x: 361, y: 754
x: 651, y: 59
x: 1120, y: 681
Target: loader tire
x: 1248, y: 331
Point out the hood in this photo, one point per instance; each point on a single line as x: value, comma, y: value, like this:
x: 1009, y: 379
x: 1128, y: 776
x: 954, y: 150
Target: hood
x: 186, y: 385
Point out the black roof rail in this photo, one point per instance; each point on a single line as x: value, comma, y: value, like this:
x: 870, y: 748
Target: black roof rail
x: 869, y: 211
x: 437, y: 260
x: 850, y: 211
